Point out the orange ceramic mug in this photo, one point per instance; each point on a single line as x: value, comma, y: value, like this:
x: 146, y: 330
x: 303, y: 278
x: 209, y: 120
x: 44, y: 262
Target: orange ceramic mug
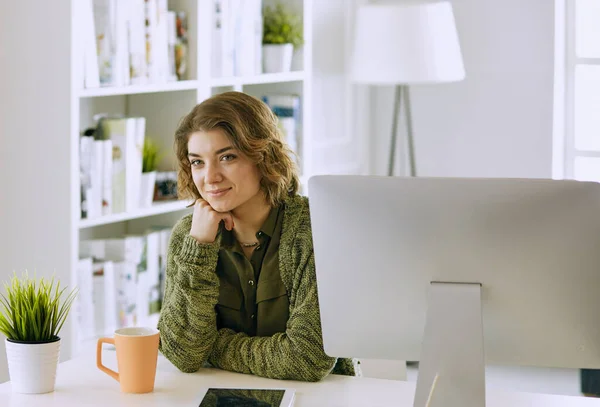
x: 137, y: 354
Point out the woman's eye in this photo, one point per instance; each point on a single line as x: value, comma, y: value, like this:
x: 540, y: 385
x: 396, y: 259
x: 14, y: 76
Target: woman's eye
x: 228, y: 157
x: 195, y: 163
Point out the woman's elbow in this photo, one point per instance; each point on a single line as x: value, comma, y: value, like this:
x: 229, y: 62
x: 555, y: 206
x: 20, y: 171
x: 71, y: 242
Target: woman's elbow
x: 186, y: 366
x: 316, y: 376
x: 185, y: 362
x: 316, y: 370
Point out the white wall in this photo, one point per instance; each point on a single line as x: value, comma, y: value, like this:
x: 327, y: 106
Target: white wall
x: 337, y: 145
x: 35, y: 87
x: 498, y: 121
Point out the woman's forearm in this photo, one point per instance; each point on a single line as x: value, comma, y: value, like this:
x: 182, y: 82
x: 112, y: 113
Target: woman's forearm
x: 274, y: 357
x: 187, y: 322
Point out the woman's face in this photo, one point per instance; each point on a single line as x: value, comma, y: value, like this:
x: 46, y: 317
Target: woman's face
x: 225, y: 177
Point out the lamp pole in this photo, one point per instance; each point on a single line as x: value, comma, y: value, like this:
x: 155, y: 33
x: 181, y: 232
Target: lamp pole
x: 410, y: 144
x: 399, y: 91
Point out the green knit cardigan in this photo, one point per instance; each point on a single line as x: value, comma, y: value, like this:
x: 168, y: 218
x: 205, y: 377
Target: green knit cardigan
x: 188, y: 329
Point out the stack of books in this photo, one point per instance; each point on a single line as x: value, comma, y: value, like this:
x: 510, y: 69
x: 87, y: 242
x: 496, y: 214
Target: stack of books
x: 131, y: 42
x: 111, y: 166
x: 121, y: 282
x: 237, y: 38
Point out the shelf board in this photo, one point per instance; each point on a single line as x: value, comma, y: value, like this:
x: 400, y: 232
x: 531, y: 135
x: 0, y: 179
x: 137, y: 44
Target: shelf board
x: 155, y: 209
x: 293, y: 76
x: 137, y: 89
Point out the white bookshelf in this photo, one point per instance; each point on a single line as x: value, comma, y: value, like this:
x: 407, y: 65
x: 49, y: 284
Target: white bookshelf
x: 139, y: 89
x: 270, y: 78
x: 48, y: 110
x: 157, y: 208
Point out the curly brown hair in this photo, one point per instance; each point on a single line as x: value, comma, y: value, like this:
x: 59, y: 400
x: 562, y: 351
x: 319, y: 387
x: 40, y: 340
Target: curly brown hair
x: 252, y: 128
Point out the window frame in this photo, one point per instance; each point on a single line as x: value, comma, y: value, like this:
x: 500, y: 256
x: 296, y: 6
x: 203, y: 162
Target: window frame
x: 566, y: 61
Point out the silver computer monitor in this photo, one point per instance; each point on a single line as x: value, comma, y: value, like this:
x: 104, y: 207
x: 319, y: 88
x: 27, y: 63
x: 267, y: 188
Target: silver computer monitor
x: 456, y: 273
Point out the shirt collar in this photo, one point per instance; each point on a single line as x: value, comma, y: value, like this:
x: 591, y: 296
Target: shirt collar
x: 268, y: 228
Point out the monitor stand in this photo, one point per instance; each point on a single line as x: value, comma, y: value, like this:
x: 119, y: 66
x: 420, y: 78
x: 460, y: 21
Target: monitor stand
x: 452, y: 366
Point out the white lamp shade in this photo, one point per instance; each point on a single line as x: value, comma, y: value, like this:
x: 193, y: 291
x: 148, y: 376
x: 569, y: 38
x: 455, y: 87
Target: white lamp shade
x: 406, y: 43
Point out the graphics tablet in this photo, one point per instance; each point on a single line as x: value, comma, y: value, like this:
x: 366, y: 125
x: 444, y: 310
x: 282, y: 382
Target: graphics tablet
x: 236, y: 397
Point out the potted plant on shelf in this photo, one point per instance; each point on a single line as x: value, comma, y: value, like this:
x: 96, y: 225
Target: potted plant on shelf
x: 150, y: 157
x: 31, y: 316
x: 282, y: 33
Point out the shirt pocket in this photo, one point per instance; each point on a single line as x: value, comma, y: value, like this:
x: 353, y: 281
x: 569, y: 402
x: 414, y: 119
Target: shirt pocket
x: 229, y: 297
x: 272, y: 307
x: 270, y: 289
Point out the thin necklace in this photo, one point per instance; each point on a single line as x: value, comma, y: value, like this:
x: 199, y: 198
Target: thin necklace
x: 249, y: 244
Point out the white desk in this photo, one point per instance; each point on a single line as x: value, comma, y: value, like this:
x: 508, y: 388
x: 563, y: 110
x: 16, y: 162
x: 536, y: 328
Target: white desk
x: 80, y: 383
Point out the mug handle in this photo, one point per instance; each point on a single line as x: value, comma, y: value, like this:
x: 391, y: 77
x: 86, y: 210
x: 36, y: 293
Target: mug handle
x: 99, y: 364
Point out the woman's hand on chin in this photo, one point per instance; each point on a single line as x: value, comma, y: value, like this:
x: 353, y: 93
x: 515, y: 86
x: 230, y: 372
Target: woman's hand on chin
x: 205, y: 222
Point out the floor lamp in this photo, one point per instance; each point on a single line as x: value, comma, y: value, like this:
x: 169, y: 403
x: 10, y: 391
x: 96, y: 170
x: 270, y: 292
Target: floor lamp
x: 404, y: 44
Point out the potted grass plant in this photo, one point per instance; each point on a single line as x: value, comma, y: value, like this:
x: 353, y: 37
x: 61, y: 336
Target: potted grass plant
x: 32, y: 313
x: 150, y: 158
x: 282, y: 33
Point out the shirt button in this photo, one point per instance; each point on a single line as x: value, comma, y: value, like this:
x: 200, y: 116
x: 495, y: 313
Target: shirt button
x: 258, y: 247
x: 252, y: 316
x: 251, y: 282
x: 259, y: 234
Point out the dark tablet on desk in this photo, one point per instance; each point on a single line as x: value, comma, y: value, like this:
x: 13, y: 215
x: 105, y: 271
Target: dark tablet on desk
x: 229, y: 397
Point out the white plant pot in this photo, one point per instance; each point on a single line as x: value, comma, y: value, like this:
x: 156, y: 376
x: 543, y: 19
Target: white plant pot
x: 32, y: 366
x: 147, y: 189
x: 277, y: 57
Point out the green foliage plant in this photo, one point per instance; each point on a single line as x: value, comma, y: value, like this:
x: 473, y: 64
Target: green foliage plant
x: 282, y: 26
x: 34, y: 310
x: 150, y: 155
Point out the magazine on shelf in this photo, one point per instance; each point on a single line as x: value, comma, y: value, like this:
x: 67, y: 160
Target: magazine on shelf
x: 127, y: 135
x: 95, y: 176
x: 89, y: 61
x: 287, y: 109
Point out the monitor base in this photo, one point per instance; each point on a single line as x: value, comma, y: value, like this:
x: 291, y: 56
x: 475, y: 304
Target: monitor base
x: 452, y: 365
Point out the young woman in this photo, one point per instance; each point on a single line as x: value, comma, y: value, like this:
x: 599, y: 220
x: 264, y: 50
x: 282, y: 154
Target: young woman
x: 241, y: 289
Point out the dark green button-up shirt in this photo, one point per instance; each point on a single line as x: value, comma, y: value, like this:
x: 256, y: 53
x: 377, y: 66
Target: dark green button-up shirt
x: 252, y: 297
